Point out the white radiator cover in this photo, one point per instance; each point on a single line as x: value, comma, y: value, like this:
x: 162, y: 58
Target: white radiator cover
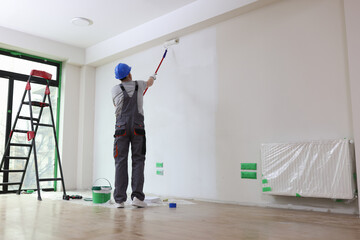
x: 322, y: 169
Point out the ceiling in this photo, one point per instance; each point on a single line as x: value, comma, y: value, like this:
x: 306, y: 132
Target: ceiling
x: 52, y: 19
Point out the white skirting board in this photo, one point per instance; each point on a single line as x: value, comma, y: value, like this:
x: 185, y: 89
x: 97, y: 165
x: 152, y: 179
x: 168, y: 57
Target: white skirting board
x: 322, y: 169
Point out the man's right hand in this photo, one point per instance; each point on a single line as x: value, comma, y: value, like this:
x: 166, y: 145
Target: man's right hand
x: 151, y: 80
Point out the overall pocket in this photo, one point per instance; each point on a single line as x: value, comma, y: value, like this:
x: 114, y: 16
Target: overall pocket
x: 120, y: 133
x: 120, y: 125
x: 139, y: 132
x: 139, y: 125
x: 120, y: 128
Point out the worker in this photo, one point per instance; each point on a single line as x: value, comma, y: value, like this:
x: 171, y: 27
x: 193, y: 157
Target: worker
x: 129, y: 129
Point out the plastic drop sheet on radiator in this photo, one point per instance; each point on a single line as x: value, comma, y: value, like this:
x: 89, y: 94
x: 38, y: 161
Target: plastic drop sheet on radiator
x: 322, y: 169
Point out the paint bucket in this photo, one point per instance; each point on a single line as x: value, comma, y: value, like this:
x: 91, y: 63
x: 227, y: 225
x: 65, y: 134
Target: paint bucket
x: 101, y: 194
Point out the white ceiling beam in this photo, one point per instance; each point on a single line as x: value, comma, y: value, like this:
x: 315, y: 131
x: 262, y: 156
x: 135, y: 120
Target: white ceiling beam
x: 194, y: 16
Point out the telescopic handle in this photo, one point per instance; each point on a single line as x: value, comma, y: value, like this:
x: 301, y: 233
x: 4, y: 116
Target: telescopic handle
x: 162, y: 59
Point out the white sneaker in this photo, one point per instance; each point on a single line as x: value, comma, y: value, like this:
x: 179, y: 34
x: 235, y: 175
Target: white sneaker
x: 138, y: 203
x: 120, y: 205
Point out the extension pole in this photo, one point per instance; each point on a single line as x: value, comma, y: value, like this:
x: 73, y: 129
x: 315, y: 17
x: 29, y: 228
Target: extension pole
x: 157, y: 68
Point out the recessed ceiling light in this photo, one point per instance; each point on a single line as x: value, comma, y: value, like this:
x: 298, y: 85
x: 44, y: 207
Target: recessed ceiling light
x: 81, y: 21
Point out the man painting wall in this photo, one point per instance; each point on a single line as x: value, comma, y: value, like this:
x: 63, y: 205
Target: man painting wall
x: 129, y: 130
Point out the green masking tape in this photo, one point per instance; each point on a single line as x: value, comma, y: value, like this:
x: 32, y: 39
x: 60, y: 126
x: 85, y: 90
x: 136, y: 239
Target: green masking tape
x: 159, y: 164
x: 15, y: 53
x: 266, y: 189
x: 248, y: 166
x: 297, y: 195
x: 249, y: 175
x: 264, y: 181
x: 159, y: 172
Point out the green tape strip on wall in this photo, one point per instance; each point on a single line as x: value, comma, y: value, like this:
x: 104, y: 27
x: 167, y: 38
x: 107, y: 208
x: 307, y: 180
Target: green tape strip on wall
x: 249, y: 175
x: 266, y: 189
x: 159, y: 172
x: 298, y: 195
x: 248, y: 166
x: 159, y: 164
x: 264, y: 181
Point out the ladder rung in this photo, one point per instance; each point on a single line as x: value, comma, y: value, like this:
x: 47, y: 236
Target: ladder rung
x: 28, y: 118
x: 20, y: 131
x: 20, y: 145
x: 18, y: 158
x: 10, y: 183
x: 37, y: 104
x: 8, y: 170
x: 43, y: 124
x: 50, y: 179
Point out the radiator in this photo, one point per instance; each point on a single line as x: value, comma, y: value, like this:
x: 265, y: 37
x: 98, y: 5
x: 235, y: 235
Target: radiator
x: 322, y: 169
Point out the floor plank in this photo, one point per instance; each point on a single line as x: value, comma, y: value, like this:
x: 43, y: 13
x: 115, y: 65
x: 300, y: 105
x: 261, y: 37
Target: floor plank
x: 23, y: 217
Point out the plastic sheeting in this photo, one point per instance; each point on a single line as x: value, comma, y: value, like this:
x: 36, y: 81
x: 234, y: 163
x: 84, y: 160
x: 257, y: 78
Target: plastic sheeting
x: 322, y: 169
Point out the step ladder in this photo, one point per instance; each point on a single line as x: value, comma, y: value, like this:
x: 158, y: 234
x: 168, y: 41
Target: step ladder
x: 31, y: 136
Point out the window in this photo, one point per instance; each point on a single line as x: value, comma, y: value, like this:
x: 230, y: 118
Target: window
x: 15, y: 68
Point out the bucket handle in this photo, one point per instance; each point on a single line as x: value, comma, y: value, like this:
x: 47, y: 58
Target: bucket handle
x: 104, y: 179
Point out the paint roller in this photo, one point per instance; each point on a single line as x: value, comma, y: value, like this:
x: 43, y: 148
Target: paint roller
x: 166, y: 45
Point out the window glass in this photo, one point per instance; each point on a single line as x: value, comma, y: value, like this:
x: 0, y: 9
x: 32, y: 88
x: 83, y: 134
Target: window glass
x: 45, y: 143
x: 23, y: 66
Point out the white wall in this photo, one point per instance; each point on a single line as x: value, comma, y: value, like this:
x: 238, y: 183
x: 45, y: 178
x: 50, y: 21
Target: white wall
x: 275, y: 74
x: 69, y: 123
x: 352, y: 17
x: 282, y: 78
x: 76, y: 125
x: 86, y: 128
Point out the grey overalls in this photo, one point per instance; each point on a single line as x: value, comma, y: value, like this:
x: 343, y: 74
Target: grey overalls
x: 129, y: 128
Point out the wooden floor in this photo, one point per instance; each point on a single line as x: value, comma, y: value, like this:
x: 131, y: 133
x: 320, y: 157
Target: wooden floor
x: 23, y: 217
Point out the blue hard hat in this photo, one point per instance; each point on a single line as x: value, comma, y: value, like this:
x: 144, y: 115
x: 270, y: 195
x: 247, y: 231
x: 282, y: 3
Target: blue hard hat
x: 122, y: 70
